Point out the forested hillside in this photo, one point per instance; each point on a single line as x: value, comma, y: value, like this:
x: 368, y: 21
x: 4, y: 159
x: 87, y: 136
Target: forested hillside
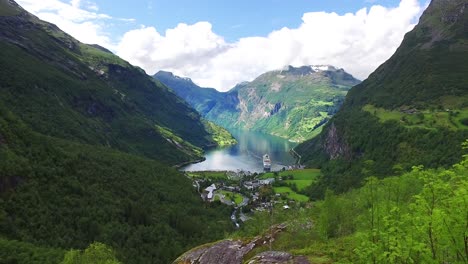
x: 411, y: 110
x: 86, y: 145
x: 61, y: 194
x: 67, y: 89
x: 418, y: 217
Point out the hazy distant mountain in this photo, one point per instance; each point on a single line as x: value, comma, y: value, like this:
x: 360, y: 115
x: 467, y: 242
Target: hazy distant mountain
x: 201, y: 99
x: 292, y: 103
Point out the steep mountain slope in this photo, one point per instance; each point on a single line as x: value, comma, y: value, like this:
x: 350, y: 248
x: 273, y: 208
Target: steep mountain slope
x: 412, y: 110
x: 82, y: 92
x: 83, y: 135
x: 202, y: 99
x: 292, y: 103
x: 58, y: 194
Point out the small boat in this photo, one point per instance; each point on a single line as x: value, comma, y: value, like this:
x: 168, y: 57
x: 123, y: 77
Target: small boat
x: 266, y: 162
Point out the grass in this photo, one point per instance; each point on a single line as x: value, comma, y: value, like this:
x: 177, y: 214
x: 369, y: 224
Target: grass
x: 301, y: 184
x: 290, y: 194
x: 234, y: 197
x: 97, y: 57
x: 302, y: 178
x: 217, y: 175
x: 452, y: 119
x: 178, y: 141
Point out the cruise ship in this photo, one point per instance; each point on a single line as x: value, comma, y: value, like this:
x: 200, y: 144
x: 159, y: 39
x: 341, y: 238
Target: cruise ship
x: 266, y: 162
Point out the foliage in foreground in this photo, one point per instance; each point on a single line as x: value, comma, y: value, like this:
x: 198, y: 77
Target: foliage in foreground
x: 96, y: 253
x: 419, y: 217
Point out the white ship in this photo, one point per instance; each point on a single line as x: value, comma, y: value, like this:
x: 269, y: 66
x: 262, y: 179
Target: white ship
x: 266, y: 162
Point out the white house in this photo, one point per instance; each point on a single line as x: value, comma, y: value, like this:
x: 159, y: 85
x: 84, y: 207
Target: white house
x: 267, y: 181
x: 210, y: 189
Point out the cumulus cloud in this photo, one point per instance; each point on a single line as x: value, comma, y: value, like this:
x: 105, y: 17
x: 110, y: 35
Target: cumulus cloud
x: 79, y: 18
x: 357, y: 42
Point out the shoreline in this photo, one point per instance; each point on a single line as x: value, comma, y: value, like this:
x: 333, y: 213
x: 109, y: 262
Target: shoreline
x: 178, y: 166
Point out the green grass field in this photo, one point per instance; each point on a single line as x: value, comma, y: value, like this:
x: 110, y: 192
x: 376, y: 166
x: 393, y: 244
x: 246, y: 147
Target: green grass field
x: 234, y: 197
x: 291, y: 194
x: 302, y: 178
x: 217, y: 175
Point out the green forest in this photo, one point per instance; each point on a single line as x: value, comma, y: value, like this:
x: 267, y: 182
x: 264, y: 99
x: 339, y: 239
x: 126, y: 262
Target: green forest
x: 419, y: 217
x: 57, y: 195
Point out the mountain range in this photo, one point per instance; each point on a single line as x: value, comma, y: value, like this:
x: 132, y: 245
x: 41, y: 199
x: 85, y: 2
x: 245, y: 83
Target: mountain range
x: 292, y: 103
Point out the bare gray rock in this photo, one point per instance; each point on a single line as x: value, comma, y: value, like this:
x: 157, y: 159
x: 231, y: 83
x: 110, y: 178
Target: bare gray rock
x: 226, y: 251
x: 277, y: 257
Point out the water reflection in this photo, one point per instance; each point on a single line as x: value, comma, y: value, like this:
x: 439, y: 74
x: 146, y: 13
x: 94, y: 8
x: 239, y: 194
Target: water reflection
x: 247, y: 154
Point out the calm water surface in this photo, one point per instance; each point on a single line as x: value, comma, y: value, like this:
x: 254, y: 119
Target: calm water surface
x: 247, y: 155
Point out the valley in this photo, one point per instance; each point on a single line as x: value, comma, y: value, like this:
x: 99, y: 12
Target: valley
x: 247, y: 154
x: 293, y: 103
x: 106, y: 162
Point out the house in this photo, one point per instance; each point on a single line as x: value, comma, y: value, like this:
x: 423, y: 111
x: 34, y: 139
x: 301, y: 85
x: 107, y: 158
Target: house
x: 210, y: 191
x: 268, y: 181
x: 249, y: 185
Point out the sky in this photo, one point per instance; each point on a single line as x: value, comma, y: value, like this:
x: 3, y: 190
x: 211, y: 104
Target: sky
x: 221, y: 43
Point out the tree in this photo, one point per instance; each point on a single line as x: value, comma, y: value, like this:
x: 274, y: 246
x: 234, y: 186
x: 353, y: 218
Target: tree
x: 96, y: 253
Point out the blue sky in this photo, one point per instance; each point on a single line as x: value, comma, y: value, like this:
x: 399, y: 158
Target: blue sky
x: 221, y: 43
x: 230, y: 19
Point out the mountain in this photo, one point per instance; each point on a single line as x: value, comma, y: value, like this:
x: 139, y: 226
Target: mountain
x: 86, y: 145
x: 67, y: 89
x: 291, y: 103
x: 412, y: 110
x: 202, y: 99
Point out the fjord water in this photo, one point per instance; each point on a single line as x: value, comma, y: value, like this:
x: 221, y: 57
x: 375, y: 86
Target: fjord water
x: 248, y: 154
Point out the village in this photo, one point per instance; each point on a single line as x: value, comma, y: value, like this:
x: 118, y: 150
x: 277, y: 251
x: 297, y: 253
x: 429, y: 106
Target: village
x: 249, y: 192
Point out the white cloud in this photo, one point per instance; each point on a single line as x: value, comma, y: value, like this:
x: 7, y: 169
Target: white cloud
x: 78, y: 18
x: 75, y: 3
x: 184, y: 47
x: 357, y: 42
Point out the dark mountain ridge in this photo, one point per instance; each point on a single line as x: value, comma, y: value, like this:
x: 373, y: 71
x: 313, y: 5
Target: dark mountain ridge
x: 92, y: 95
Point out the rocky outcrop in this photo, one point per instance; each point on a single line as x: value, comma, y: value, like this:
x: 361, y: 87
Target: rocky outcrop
x: 334, y: 145
x: 277, y: 257
x: 227, y: 251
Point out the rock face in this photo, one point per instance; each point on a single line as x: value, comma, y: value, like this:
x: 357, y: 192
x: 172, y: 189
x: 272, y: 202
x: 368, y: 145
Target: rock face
x: 334, y: 145
x: 277, y: 257
x: 231, y: 251
x: 226, y: 251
